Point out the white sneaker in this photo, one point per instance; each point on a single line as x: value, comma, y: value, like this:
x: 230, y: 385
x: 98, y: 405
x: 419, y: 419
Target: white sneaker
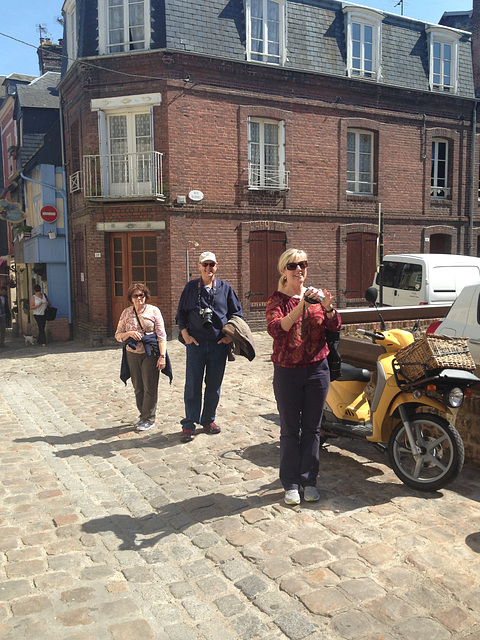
x: 292, y: 496
x: 145, y: 426
x: 137, y: 424
x: 311, y: 494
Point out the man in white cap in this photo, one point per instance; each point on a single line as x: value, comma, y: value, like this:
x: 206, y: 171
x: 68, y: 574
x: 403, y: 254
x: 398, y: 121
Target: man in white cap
x: 206, y: 305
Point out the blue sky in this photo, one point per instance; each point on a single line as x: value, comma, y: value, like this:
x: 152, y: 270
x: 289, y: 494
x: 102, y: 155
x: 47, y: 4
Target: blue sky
x: 20, y: 19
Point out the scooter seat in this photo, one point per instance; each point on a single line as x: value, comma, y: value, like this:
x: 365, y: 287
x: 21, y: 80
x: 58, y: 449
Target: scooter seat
x: 349, y: 373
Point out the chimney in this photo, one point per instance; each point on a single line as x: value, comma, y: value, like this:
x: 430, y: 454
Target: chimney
x: 476, y: 46
x: 49, y: 56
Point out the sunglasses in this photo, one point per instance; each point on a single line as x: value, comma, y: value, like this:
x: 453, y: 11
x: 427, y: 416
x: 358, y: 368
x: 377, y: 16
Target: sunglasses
x: 291, y: 266
x: 208, y: 264
x: 138, y: 295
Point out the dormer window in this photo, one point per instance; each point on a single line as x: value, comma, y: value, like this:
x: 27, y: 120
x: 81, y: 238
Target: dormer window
x: 71, y: 30
x: 124, y: 25
x: 265, y: 26
x: 363, y: 38
x: 443, y: 56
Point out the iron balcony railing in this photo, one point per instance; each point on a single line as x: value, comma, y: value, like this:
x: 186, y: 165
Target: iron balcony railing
x: 267, y: 179
x: 123, y: 175
x: 440, y: 192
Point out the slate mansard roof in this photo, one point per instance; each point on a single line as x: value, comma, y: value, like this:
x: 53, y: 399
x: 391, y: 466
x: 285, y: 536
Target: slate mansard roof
x: 41, y: 93
x: 315, y: 33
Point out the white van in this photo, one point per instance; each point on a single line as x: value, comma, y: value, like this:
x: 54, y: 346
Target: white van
x: 425, y: 278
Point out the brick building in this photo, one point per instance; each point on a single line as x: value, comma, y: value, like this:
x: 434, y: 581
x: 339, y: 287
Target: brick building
x: 248, y: 126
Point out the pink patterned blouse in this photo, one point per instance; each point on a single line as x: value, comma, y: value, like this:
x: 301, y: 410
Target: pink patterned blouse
x: 289, y: 349
x: 151, y: 319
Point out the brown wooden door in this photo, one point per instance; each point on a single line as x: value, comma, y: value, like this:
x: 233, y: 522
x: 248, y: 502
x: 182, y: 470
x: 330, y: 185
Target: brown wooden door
x: 265, y: 249
x: 361, y: 263
x: 133, y: 259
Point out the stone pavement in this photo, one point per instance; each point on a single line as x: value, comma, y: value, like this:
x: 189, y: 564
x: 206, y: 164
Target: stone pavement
x: 110, y: 534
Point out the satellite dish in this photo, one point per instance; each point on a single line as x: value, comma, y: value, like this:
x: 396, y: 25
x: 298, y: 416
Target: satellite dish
x: 195, y: 195
x: 11, y: 212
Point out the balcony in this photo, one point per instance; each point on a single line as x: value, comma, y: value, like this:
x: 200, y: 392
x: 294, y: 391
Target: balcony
x: 124, y: 175
x: 440, y: 193
x: 267, y: 178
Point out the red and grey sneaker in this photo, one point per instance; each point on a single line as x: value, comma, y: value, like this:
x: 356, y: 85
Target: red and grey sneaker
x: 211, y: 428
x: 187, y: 435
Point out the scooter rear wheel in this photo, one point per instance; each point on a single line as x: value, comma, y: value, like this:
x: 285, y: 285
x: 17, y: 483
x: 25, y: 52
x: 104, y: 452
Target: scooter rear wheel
x: 442, y: 454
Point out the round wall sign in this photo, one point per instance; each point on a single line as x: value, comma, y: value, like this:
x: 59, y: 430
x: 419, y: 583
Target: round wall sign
x: 195, y: 195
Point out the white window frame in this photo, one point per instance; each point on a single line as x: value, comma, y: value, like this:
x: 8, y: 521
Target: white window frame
x: 263, y: 183
x: 439, y: 192
x: 71, y: 31
x: 121, y: 105
x: 103, y: 29
x: 364, y: 17
x: 443, y: 37
x: 266, y: 57
x: 357, y: 191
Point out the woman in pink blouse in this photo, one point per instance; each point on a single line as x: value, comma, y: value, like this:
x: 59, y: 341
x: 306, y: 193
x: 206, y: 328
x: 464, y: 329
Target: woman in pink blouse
x: 301, y: 374
x: 138, y: 326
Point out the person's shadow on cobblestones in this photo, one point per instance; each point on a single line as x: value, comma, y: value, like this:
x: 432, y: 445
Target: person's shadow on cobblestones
x: 171, y: 519
x: 105, y: 442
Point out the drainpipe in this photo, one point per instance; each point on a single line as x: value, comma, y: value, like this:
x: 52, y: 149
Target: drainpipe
x: 67, y: 244
x: 473, y: 189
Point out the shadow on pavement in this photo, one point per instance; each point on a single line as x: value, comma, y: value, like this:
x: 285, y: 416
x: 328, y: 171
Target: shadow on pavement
x: 103, y: 446
x: 473, y: 541
x: 348, y: 482
x: 173, y: 518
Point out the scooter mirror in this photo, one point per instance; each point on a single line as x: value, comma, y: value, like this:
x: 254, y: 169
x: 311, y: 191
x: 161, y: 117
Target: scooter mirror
x: 371, y: 295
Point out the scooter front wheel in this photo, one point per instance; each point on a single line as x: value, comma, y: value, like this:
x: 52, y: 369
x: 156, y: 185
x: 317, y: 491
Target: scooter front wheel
x: 441, y: 455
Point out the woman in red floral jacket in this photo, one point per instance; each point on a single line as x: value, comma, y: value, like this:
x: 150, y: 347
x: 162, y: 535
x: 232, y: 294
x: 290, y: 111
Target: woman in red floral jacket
x: 301, y: 374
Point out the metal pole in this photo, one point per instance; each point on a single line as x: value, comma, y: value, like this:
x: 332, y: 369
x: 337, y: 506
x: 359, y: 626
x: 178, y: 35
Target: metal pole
x: 473, y: 197
x: 380, y: 248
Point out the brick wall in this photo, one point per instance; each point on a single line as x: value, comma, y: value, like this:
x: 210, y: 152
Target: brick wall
x: 202, y: 128
x: 58, y: 330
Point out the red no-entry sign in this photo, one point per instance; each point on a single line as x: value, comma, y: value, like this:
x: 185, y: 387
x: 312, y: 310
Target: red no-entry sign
x: 48, y: 213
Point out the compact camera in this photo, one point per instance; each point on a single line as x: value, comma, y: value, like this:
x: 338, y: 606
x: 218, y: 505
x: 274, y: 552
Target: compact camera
x: 312, y: 300
x: 207, y: 317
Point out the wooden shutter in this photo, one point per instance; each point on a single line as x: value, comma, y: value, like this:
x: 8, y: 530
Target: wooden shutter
x: 265, y: 249
x: 361, y: 263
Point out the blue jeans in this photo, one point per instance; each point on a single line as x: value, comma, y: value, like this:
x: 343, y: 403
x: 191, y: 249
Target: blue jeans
x: 208, y: 360
x: 300, y: 396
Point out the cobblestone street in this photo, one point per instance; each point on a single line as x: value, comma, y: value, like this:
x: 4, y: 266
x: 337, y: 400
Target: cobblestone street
x: 110, y: 534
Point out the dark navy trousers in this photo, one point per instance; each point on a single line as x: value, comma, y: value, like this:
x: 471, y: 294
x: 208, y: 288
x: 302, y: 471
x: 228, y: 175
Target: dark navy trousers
x: 300, y: 396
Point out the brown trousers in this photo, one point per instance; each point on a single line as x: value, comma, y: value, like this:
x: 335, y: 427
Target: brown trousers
x: 144, y: 375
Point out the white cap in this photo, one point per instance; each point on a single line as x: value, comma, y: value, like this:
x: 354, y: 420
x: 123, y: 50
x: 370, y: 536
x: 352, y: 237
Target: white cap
x: 207, y: 255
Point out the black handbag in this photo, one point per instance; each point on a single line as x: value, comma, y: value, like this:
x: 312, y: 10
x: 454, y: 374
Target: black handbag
x: 334, y: 358
x: 50, y: 313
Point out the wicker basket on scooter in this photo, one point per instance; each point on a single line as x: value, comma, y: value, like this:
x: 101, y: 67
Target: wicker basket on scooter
x: 433, y: 353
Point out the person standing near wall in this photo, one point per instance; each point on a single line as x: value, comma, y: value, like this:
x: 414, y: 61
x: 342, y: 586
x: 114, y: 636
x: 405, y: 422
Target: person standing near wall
x: 38, y: 303
x: 206, y: 305
x: 4, y: 314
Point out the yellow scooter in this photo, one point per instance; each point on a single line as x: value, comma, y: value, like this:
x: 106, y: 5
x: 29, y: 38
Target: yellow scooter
x: 409, y: 420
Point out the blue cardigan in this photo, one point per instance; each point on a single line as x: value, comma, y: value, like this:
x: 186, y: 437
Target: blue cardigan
x: 148, y: 341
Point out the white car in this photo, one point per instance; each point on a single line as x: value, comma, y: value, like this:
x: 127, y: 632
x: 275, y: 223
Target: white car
x: 463, y: 320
